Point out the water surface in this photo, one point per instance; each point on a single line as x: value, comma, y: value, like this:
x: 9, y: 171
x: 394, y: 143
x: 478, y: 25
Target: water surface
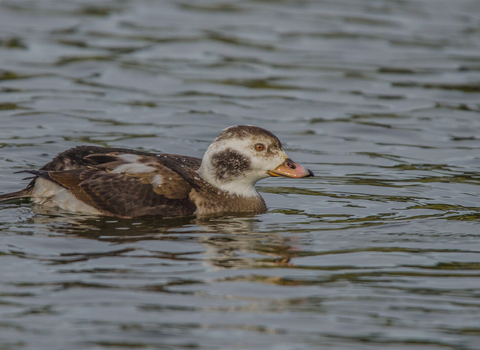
x: 381, y: 99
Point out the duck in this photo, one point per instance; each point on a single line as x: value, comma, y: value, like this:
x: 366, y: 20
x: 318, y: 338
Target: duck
x: 129, y: 183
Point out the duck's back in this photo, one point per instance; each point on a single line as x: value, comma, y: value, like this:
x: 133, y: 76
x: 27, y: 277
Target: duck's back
x: 116, y: 182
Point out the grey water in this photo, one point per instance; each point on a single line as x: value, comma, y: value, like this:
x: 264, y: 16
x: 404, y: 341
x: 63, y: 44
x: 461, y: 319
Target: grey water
x: 380, y: 98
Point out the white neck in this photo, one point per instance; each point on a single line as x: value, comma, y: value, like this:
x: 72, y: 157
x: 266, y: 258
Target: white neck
x: 241, y: 187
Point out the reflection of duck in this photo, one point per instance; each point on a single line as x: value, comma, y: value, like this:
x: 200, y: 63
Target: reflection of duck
x: 219, y: 242
x: 235, y: 241
x: 128, y: 183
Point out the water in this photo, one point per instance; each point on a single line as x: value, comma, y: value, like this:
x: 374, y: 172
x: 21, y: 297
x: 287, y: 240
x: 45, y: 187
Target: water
x: 381, y: 99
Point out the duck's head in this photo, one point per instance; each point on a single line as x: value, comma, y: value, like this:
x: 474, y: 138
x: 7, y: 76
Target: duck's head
x: 243, y: 154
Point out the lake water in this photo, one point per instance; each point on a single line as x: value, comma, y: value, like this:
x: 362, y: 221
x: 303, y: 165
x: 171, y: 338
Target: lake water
x: 380, y: 98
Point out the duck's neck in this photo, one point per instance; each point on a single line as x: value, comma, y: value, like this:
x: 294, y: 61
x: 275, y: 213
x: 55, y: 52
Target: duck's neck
x: 209, y: 199
x: 241, y: 187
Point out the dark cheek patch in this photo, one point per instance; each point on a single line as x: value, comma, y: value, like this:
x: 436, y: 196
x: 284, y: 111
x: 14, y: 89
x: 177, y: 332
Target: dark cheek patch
x: 229, y: 164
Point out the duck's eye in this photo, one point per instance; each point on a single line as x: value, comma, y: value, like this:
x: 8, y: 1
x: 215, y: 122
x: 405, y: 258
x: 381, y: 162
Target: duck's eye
x: 259, y: 147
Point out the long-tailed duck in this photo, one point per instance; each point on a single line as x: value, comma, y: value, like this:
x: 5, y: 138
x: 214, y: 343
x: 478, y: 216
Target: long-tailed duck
x: 127, y: 183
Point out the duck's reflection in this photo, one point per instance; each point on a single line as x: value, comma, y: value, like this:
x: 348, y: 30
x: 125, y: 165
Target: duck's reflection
x: 232, y: 241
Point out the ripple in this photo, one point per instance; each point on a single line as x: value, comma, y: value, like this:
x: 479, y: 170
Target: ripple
x: 378, y: 251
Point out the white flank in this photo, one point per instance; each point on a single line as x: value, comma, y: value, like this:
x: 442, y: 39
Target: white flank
x: 49, y: 193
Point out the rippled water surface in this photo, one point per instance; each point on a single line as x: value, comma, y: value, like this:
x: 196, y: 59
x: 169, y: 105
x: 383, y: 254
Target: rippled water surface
x: 380, y: 98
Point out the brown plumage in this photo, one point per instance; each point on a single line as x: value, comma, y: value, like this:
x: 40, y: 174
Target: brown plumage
x: 128, y: 183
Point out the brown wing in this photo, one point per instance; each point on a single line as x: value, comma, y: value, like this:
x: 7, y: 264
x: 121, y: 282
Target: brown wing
x: 120, y: 195
x: 130, y: 185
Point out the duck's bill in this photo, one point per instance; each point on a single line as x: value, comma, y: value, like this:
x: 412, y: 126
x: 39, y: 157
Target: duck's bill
x: 291, y: 169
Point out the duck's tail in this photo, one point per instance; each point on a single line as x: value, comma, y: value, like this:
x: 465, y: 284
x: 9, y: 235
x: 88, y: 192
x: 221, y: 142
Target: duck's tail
x: 19, y: 194
x: 26, y: 192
